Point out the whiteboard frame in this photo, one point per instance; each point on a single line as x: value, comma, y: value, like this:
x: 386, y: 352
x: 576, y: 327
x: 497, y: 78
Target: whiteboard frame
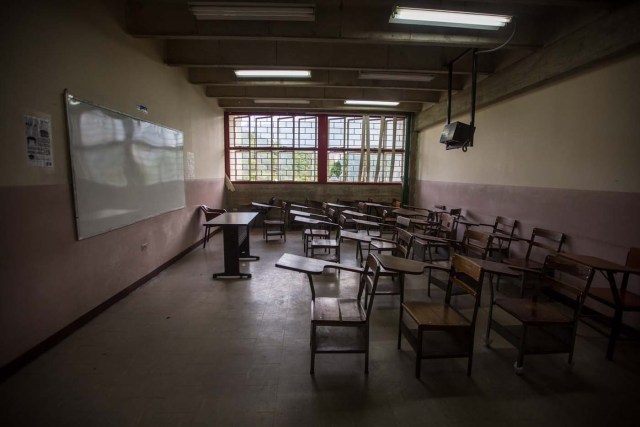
x: 67, y: 98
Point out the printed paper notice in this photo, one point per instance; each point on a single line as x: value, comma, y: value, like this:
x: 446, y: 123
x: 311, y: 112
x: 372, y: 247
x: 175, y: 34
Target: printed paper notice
x: 38, y: 141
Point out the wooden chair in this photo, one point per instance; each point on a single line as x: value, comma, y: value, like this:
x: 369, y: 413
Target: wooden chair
x: 543, y: 325
x: 620, y: 301
x: 209, y: 214
x: 434, y: 214
x: 395, y: 283
x: 439, y: 330
x: 275, y: 226
x: 343, y: 222
x: 341, y: 325
x: 402, y: 223
x: 330, y: 247
x: 315, y: 231
x: 542, y: 243
x: 503, y: 230
x: 474, y: 244
x: 445, y: 229
x: 388, y: 223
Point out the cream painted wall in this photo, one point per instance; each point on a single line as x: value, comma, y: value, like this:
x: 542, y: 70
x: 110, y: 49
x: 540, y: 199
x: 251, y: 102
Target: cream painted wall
x: 48, y: 279
x: 579, y: 133
x: 81, y: 46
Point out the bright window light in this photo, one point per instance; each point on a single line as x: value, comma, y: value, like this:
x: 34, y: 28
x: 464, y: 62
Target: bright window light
x: 373, y: 103
x: 285, y: 74
x: 445, y: 18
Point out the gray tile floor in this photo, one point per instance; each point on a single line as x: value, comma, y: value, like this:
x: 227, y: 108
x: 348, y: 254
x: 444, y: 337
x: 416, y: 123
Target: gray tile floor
x: 186, y: 350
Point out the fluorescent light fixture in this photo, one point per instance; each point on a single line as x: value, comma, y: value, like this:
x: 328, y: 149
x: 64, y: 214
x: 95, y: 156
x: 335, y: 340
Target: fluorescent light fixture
x: 282, y: 74
x: 407, y: 77
x: 446, y: 18
x: 247, y: 11
x: 281, y: 101
x: 372, y: 103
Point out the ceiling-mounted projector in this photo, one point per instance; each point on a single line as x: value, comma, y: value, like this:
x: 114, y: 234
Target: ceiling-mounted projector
x: 457, y: 135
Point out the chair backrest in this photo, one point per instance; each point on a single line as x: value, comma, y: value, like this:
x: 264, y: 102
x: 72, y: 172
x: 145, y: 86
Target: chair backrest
x: 455, y: 213
x: 568, y: 277
x: 362, y: 207
x: 210, y: 213
x: 548, y: 241
x: 447, y: 228
x: 506, y: 227
x: 476, y: 243
x: 275, y: 213
x: 403, y: 222
x: 329, y: 226
x: 369, y: 279
x: 283, y: 211
x: 468, y: 275
x: 331, y: 213
x: 633, y: 258
x: 404, y: 243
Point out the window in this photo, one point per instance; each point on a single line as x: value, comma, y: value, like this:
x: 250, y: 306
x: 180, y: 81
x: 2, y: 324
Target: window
x: 294, y: 148
x: 273, y: 148
x: 375, y: 155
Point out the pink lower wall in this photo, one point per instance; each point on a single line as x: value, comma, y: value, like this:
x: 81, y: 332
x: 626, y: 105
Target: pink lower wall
x: 598, y: 223
x: 601, y: 223
x: 49, y: 279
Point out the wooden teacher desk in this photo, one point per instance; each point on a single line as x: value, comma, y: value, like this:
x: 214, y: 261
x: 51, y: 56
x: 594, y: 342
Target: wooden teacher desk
x: 235, y: 229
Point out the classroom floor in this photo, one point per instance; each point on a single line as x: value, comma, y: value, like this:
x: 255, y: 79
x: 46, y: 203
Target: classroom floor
x: 186, y: 350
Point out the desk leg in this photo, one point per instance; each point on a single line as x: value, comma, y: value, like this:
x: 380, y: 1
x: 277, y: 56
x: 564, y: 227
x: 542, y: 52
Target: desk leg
x: 232, y: 252
x: 243, y: 244
x: 617, y: 317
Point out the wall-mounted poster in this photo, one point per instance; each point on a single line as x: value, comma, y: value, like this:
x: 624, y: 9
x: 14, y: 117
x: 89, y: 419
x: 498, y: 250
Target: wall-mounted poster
x: 38, y: 141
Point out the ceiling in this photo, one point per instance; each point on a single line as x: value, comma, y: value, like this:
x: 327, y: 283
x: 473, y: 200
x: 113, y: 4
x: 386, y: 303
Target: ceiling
x: 348, y: 37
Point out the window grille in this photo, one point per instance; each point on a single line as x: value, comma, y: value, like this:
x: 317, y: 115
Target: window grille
x: 286, y: 148
x: 273, y: 148
x: 365, y: 149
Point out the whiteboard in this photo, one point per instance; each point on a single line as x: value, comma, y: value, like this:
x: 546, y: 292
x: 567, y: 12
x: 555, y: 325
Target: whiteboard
x: 124, y: 169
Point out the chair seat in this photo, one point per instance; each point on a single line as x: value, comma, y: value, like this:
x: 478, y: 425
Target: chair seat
x: 532, y: 313
x: 273, y: 222
x: 428, y: 315
x: 324, y: 243
x: 629, y: 300
x: 337, y: 310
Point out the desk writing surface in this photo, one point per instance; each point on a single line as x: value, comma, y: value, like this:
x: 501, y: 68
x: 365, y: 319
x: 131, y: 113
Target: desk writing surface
x: 353, y: 235
x: 233, y: 218
x: 365, y: 222
x: 407, y: 212
x: 593, y: 261
x: 402, y: 265
x: 311, y: 265
x: 299, y: 213
x: 495, y: 267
